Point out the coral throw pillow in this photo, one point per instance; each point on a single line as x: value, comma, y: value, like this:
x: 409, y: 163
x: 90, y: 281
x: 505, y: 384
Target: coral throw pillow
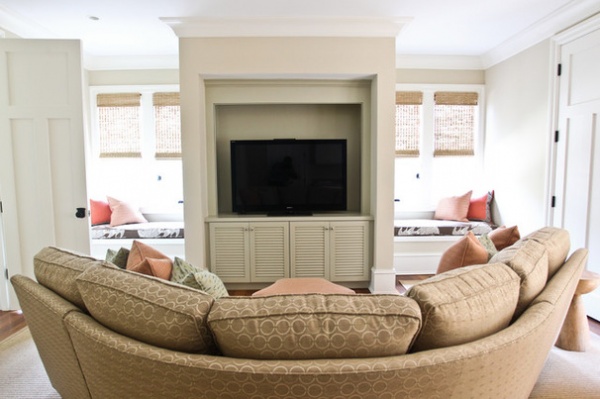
x: 465, y: 252
x: 123, y: 213
x: 453, y: 208
x: 480, y: 208
x: 100, y: 212
x: 503, y: 237
x: 147, y: 260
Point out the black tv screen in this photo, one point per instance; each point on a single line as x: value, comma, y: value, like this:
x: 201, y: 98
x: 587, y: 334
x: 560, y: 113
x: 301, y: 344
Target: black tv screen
x: 288, y: 176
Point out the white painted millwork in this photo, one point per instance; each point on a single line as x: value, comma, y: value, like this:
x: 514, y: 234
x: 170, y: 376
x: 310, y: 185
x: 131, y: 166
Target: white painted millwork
x: 262, y: 251
x: 256, y: 252
x: 42, y: 165
x: 577, y: 178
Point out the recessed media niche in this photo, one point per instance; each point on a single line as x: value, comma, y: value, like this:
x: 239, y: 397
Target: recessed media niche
x: 288, y: 122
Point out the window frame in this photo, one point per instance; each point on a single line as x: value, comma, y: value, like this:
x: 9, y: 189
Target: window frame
x: 426, y: 143
x: 426, y: 158
x: 148, y: 144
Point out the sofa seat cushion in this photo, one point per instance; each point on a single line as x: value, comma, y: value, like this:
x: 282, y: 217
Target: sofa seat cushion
x: 57, y: 270
x: 465, y: 304
x: 529, y: 259
x: 314, y: 326
x: 148, y: 309
x: 557, y: 242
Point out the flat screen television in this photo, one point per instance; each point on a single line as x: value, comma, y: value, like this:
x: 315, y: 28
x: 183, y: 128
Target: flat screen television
x: 281, y: 177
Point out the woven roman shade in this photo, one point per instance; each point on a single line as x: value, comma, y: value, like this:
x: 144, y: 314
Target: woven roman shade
x: 408, y: 123
x: 119, y: 124
x: 167, y: 125
x: 454, y: 123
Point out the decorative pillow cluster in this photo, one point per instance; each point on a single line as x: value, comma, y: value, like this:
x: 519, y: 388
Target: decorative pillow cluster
x: 100, y: 212
x: 147, y: 260
x: 187, y: 274
x: 472, y: 250
x: 114, y: 212
x: 123, y: 213
x: 480, y: 208
x: 453, y: 208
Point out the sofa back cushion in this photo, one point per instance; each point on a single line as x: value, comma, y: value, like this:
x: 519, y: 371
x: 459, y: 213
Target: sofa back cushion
x: 57, y: 269
x: 557, y: 242
x: 529, y: 259
x: 465, y: 304
x: 148, y: 309
x: 314, y: 326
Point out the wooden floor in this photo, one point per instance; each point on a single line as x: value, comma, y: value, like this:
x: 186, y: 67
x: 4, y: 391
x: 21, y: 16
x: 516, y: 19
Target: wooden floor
x: 11, y: 322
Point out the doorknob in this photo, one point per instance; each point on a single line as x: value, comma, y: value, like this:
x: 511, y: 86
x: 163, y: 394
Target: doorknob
x: 80, y: 213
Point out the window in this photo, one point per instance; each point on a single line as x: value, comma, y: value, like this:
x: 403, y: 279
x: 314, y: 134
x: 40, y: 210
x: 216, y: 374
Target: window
x: 136, y: 145
x: 438, y: 143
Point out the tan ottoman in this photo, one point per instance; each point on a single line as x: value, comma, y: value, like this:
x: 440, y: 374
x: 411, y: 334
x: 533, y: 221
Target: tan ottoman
x: 307, y: 285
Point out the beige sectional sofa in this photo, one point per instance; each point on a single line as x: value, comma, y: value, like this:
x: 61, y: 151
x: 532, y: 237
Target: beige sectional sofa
x: 481, y: 331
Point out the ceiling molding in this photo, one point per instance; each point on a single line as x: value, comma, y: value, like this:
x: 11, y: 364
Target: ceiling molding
x: 21, y: 26
x: 561, y: 19
x: 287, y: 26
x: 466, y: 62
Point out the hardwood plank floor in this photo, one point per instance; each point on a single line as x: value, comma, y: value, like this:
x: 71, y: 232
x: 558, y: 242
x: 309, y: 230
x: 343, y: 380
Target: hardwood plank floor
x: 11, y: 322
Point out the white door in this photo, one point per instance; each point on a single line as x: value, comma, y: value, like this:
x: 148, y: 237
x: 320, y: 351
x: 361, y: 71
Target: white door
x: 577, y: 186
x: 42, y: 168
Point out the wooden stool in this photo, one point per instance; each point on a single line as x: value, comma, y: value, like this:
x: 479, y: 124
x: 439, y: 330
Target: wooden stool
x: 575, y: 332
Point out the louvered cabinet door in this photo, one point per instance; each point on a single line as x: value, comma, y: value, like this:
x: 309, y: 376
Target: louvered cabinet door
x: 350, y: 251
x: 229, y: 251
x: 269, y: 251
x: 309, y: 247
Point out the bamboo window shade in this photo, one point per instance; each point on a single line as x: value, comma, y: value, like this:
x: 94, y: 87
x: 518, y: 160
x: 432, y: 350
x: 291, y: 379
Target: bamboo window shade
x: 454, y: 123
x: 408, y: 123
x: 167, y: 123
x: 119, y: 125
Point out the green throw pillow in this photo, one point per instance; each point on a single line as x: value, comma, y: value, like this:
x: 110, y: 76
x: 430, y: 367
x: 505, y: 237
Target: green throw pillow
x: 488, y: 245
x: 118, y: 258
x: 181, y: 270
x: 211, y: 284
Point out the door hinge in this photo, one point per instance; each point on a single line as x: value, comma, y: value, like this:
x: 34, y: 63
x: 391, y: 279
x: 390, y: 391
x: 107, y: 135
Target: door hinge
x: 1, y: 211
x: 553, y: 203
x: 556, y: 136
x: 559, y: 69
x: 6, y: 273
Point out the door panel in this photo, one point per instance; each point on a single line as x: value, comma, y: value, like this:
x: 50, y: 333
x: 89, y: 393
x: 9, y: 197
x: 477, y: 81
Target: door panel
x: 577, y: 179
x: 42, y: 158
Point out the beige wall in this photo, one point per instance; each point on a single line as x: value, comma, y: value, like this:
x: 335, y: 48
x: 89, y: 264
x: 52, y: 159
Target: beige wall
x: 133, y: 77
x: 518, y: 136
x: 440, y: 76
x: 203, y: 59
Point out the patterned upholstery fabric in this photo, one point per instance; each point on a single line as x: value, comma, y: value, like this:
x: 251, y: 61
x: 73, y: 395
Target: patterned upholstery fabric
x: 465, y: 304
x: 148, y: 309
x: 85, y: 359
x: 557, y: 242
x: 529, y: 259
x: 44, y: 311
x: 57, y: 270
x: 314, y: 326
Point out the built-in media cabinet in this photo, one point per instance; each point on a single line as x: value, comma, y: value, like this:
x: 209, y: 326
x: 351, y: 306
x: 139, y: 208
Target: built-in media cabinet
x: 264, y: 249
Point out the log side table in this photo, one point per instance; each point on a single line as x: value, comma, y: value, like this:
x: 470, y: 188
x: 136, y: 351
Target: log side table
x: 575, y: 332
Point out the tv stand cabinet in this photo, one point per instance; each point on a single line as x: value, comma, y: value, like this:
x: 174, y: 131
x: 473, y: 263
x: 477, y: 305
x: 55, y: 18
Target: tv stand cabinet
x: 255, y: 249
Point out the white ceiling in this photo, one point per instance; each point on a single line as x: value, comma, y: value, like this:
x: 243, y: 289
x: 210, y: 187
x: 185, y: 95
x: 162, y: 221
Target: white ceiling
x: 440, y: 28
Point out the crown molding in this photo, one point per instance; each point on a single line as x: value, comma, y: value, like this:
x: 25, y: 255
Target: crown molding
x: 556, y: 22
x: 287, y: 26
x: 412, y: 61
x: 20, y: 26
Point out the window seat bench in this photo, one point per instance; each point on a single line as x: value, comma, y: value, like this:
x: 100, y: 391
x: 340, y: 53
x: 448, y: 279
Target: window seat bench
x: 420, y: 243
